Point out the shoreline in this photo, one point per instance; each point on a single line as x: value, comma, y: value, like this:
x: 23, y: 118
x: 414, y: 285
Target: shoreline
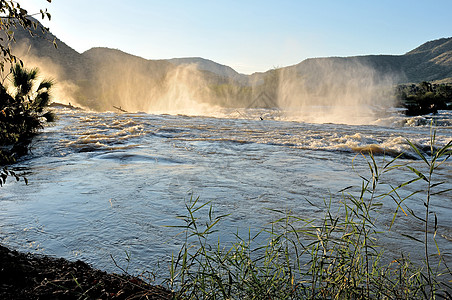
x: 35, y: 276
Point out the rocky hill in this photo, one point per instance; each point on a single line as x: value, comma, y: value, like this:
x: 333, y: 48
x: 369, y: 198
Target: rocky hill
x: 432, y: 61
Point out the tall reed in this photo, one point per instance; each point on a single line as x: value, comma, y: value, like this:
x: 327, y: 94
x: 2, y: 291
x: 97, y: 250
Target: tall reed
x: 336, y: 257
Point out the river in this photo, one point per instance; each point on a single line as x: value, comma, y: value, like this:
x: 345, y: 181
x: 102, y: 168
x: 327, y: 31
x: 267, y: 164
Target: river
x: 109, y: 184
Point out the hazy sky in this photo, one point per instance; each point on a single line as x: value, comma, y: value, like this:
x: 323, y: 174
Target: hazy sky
x: 250, y: 36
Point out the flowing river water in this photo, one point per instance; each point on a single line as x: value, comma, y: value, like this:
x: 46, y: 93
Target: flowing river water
x: 108, y: 184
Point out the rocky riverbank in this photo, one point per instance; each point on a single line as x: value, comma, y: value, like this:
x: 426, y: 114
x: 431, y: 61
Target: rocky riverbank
x: 27, y: 276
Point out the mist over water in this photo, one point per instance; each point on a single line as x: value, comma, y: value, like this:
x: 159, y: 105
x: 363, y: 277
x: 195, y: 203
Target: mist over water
x: 332, y: 91
x: 64, y: 90
x: 186, y: 92
x: 316, y: 91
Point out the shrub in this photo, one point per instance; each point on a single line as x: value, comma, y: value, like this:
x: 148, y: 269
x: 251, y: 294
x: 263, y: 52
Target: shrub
x: 23, y: 110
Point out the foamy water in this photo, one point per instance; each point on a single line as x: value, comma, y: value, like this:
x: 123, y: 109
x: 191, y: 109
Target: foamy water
x: 105, y: 183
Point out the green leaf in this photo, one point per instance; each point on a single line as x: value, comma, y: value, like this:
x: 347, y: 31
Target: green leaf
x: 413, y: 238
x: 443, y: 150
x: 418, y: 173
x: 414, y: 215
x: 436, y: 184
x: 441, y: 192
x: 436, y: 226
x: 418, y: 152
x: 344, y: 189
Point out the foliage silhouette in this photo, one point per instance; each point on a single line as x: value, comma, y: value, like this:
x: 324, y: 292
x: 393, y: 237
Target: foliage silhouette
x: 23, y: 111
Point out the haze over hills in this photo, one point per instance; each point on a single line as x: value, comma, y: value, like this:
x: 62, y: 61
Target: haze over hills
x: 211, y: 66
x: 429, y: 62
x: 101, y: 77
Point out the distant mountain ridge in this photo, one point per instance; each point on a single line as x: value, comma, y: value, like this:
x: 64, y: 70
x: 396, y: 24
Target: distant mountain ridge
x: 102, y: 75
x: 436, y: 47
x: 430, y: 61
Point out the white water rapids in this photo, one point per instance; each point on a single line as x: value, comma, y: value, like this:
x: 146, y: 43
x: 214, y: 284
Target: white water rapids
x: 107, y: 183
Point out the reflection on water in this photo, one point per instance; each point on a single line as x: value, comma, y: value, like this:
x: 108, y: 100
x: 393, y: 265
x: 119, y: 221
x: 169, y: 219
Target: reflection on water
x: 103, y: 183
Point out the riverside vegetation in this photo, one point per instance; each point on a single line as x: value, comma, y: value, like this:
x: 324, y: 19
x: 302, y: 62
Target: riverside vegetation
x: 23, y: 111
x: 425, y: 97
x: 337, y: 257
x: 23, y: 104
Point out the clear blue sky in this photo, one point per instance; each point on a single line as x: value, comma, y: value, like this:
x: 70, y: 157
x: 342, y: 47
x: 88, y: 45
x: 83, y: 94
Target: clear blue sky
x: 250, y: 36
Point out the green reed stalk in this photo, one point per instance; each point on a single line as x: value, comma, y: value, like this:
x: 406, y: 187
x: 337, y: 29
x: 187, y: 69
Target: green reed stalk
x: 436, y: 159
x: 337, y: 257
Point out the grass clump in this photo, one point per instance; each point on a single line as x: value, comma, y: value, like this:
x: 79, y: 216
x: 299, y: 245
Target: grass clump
x: 336, y: 257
